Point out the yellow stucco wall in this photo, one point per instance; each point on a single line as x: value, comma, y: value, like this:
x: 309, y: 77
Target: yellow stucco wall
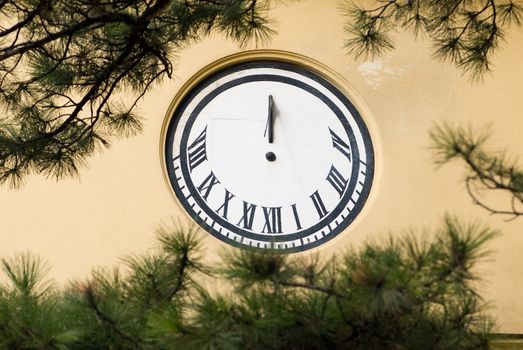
x: 113, y: 208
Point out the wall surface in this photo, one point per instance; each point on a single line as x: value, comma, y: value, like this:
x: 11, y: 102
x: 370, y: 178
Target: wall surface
x: 112, y: 210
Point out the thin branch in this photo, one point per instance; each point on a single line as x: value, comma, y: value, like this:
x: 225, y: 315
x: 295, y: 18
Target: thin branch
x: 180, y: 275
x: 26, y: 21
x: 30, y: 45
x: 105, y: 319
x: 514, y: 212
x: 313, y: 287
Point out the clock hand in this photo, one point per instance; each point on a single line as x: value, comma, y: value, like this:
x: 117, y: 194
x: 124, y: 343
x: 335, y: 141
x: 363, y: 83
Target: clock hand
x: 269, y: 128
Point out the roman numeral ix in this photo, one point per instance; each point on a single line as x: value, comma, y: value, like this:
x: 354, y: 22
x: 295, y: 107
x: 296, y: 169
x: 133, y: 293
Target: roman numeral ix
x: 197, y: 150
x: 207, y: 185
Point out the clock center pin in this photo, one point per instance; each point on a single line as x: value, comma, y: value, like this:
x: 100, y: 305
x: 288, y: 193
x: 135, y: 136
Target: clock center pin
x: 270, y: 156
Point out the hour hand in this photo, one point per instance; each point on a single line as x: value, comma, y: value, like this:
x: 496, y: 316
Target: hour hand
x: 269, y: 128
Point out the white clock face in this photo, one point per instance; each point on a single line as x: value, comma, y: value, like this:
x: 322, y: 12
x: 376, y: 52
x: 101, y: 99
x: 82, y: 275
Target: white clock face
x: 269, y: 155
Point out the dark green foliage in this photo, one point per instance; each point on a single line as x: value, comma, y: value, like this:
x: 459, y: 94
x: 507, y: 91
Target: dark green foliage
x: 72, y: 71
x: 487, y: 173
x: 404, y: 293
x: 464, y: 32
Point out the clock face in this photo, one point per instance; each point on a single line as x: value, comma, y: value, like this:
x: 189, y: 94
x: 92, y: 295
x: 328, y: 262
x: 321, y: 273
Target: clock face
x: 270, y: 155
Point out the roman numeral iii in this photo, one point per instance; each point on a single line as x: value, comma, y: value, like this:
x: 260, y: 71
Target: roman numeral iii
x: 197, y: 150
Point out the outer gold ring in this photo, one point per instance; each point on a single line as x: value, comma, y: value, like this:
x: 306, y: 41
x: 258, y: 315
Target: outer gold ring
x: 282, y: 56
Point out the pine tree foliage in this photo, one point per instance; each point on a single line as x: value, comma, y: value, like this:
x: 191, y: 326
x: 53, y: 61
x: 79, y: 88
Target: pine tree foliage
x: 487, y: 173
x: 72, y: 71
x: 403, y: 293
x: 466, y: 33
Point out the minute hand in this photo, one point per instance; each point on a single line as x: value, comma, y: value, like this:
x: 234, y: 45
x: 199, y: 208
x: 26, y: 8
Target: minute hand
x: 270, y: 120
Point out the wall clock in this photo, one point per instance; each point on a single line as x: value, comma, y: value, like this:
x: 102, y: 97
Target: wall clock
x: 266, y: 151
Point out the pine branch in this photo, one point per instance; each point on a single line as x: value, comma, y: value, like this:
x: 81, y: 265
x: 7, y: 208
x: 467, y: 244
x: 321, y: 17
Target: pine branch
x: 514, y: 212
x: 312, y: 287
x: 466, y: 33
x: 490, y: 173
x: 80, y: 57
x: 180, y: 275
x: 383, y: 294
x: 105, y: 320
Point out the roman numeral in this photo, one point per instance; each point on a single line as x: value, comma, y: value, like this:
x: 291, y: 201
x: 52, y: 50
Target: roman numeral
x: 318, y: 204
x: 296, y: 218
x: 207, y: 185
x: 340, y: 145
x: 248, y: 215
x: 197, y: 150
x: 337, y: 180
x: 225, y: 205
x: 272, y: 220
